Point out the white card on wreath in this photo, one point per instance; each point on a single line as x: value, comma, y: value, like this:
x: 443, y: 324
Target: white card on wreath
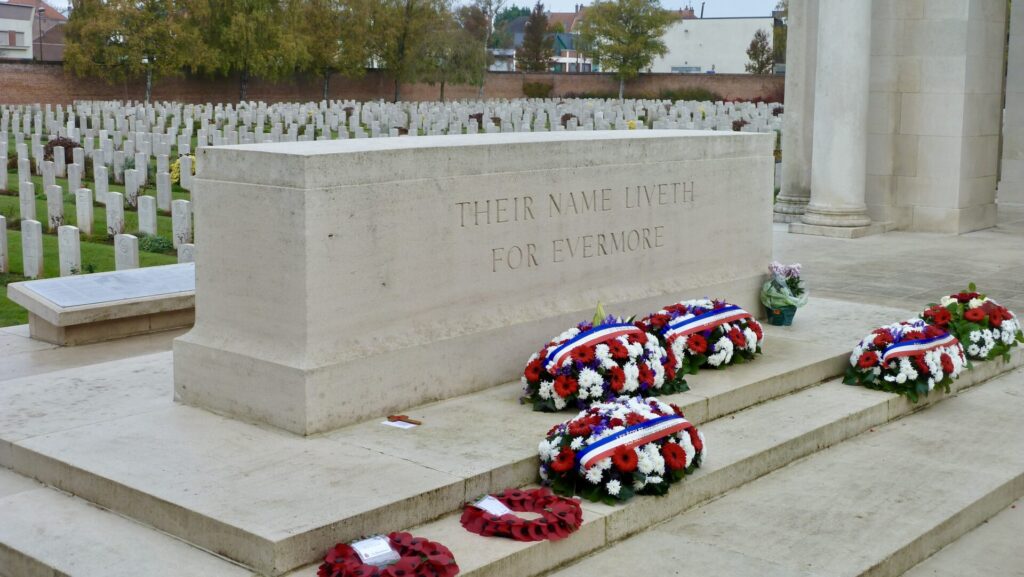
x: 376, y: 551
x: 492, y: 506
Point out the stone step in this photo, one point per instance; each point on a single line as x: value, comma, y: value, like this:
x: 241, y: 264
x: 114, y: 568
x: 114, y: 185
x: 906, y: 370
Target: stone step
x: 992, y: 548
x: 873, y: 506
x: 46, y: 533
x: 272, y: 501
x: 741, y: 448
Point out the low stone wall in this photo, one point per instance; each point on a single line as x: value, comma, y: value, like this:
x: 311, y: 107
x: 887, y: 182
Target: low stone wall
x: 29, y: 83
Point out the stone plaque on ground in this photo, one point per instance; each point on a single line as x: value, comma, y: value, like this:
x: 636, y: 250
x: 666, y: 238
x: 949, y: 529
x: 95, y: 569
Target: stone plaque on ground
x: 92, y: 289
x: 392, y: 272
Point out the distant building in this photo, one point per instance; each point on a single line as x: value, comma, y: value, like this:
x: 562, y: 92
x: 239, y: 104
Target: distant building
x: 567, y: 57
x: 38, y: 27
x: 16, y: 24
x: 710, y: 45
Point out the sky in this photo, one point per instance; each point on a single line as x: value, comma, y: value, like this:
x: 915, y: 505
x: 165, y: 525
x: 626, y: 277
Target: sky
x: 712, y: 8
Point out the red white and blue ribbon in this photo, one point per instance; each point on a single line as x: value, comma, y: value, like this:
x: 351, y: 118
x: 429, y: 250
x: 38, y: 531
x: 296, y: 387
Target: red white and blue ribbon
x: 910, y: 348
x: 684, y: 326
x: 632, y: 437
x: 594, y: 336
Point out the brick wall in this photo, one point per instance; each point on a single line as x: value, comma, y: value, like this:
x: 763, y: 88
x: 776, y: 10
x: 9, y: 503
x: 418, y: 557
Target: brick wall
x: 25, y: 83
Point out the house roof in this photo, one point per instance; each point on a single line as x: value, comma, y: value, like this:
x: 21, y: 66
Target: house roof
x: 50, y: 12
x: 15, y: 12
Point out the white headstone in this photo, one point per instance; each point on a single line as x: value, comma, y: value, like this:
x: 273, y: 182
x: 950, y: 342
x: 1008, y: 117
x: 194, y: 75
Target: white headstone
x: 49, y: 176
x: 131, y: 186
x: 24, y: 169
x: 32, y: 248
x: 115, y: 213
x: 3, y: 158
x: 186, y: 173
x: 181, y: 221
x: 5, y: 260
x: 69, y: 250
x: 163, y: 190
x: 75, y: 175
x: 27, y: 200
x: 101, y: 183
x: 126, y: 252
x: 186, y: 252
x: 147, y: 214
x: 54, y: 207
x: 142, y: 165
x: 59, y: 161
x: 83, y: 210
x: 162, y: 163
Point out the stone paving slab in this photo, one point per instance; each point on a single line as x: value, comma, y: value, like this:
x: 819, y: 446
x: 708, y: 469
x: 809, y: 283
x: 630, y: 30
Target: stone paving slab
x: 993, y: 548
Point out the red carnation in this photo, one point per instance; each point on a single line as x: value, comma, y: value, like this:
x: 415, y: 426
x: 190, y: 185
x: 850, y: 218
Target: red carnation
x: 533, y: 370
x: 756, y: 327
x: 931, y: 331
x: 579, y: 429
x: 737, y: 337
x: 625, y: 459
x: 947, y: 363
x: 695, y: 439
x: 640, y: 337
x: 618, y: 350
x: 615, y: 423
x: 867, y: 359
x: 646, y: 375
x: 996, y: 318
x: 882, y: 339
x: 922, y: 366
x: 658, y: 321
x: 675, y: 456
x: 616, y: 378
x: 974, y: 315
x: 634, y: 419
x: 966, y: 297
x: 564, y: 461
x: 697, y: 344
x: 676, y: 409
x: 584, y: 355
x: 938, y: 315
x: 913, y: 336
x: 565, y: 386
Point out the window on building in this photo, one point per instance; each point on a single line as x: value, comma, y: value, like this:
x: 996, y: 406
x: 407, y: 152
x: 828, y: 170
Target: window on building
x: 685, y: 69
x: 5, y: 38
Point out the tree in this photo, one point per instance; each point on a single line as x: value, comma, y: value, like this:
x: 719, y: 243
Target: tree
x: 488, y: 9
x: 401, y: 30
x: 453, y: 56
x: 501, y: 37
x: 332, y: 36
x: 625, y: 35
x: 536, y: 52
x: 124, y: 39
x: 245, y: 37
x: 760, y: 54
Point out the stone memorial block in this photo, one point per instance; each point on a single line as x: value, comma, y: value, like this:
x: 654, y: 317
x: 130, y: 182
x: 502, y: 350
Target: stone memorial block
x: 54, y: 207
x: 32, y: 248
x: 69, y: 250
x: 147, y: 214
x: 181, y: 222
x: 392, y: 272
x: 126, y: 252
x: 163, y: 190
x: 5, y: 259
x: 83, y: 210
x: 27, y: 200
x: 115, y: 213
x: 186, y: 252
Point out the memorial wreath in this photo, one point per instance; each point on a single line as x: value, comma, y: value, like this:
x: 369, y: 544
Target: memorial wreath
x: 417, y: 557
x: 559, y: 516
x: 617, y: 449
x: 597, y: 361
x: 706, y: 332
x: 910, y: 358
x: 986, y: 329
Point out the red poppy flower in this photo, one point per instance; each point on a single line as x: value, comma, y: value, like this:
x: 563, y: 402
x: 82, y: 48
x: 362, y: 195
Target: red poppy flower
x: 625, y: 459
x: 564, y: 461
x: 867, y: 359
x: 584, y: 355
x: 947, y: 363
x: 617, y: 350
x: 533, y: 371
x: 579, y: 428
x: 996, y: 317
x: 697, y: 344
x: 363, y: 571
x: 882, y: 340
x: 938, y: 315
x: 646, y: 375
x: 675, y: 456
x: 565, y: 386
x: 616, y: 378
x: 974, y: 315
x: 737, y: 337
x: 404, y: 568
x: 913, y: 336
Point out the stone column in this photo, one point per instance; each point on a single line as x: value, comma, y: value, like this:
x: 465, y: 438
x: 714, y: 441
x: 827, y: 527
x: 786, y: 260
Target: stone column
x: 798, y: 120
x: 841, y: 90
x: 1011, y: 184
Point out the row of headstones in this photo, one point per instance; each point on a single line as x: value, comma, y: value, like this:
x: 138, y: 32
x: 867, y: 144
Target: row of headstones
x: 69, y: 250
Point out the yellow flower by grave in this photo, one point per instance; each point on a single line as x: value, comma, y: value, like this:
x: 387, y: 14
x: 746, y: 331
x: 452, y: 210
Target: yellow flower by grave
x: 631, y: 124
x: 176, y: 169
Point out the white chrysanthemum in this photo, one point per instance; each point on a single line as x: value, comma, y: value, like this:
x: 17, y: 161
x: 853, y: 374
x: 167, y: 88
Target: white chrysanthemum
x: 946, y: 301
x: 751, y: 337
x: 659, y: 373
x: 688, y: 448
x: 632, y: 372
x: 655, y: 480
x: 602, y: 352
x: 635, y: 350
x: 594, y: 476
x: 567, y: 335
x: 901, y: 378
x: 975, y: 336
x: 973, y: 350
x: 604, y: 464
x: 559, y: 403
x: 576, y: 444
x: 589, y: 378
x: 975, y: 303
x: 679, y: 350
x: 546, y: 389
x: 613, y: 487
x: 544, y: 450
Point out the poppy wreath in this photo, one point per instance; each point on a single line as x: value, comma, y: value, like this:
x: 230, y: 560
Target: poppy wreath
x: 617, y: 449
x: 559, y: 516
x: 595, y: 362
x: 419, y: 558
x: 705, y: 333
x: 910, y: 358
x: 986, y: 329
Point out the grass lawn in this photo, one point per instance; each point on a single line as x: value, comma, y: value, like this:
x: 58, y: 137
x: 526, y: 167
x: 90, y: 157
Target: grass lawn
x: 10, y: 208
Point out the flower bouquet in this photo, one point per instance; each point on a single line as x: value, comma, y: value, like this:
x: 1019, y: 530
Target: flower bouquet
x: 597, y: 361
x: 910, y: 358
x: 416, y: 557
x: 783, y: 293
x: 615, y: 450
x: 702, y: 332
x: 986, y: 329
